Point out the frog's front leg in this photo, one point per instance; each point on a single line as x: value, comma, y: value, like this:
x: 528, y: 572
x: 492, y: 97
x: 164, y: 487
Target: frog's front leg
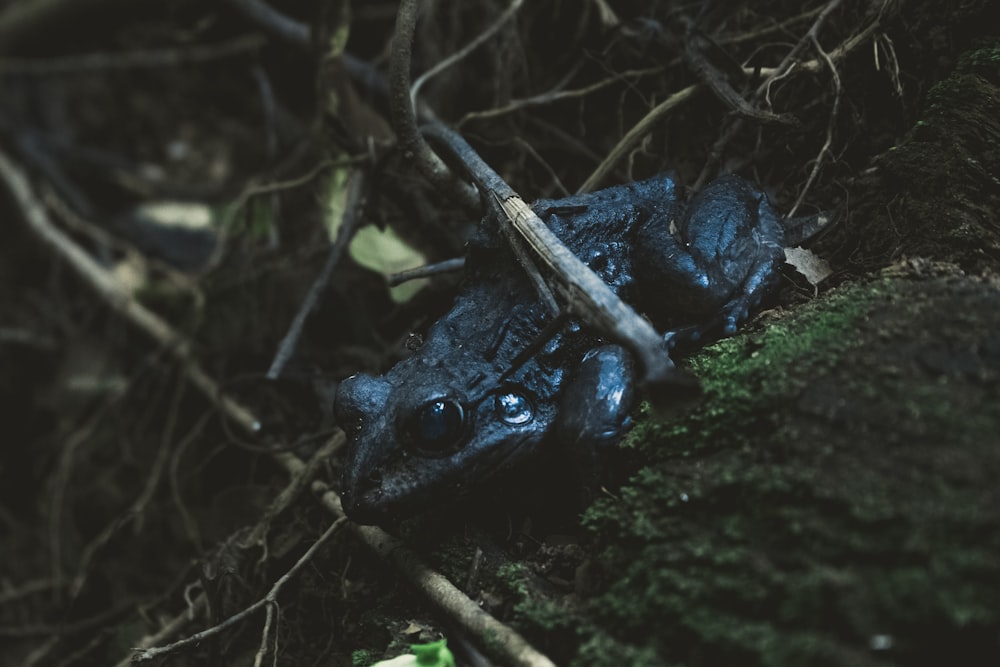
x: 707, y: 269
x: 594, y: 410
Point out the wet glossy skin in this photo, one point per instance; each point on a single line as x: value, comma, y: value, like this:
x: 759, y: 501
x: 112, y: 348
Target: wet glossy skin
x: 478, y: 397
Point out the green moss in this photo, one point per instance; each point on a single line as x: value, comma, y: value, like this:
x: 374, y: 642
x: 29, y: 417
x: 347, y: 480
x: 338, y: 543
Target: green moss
x: 364, y: 657
x: 512, y: 579
x: 750, y: 369
x: 984, y: 61
x: 768, y: 530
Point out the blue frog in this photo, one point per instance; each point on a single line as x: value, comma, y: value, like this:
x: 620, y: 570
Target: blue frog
x: 500, y: 378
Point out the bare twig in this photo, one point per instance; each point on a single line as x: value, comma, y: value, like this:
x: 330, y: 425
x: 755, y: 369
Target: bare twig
x: 786, y: 68
x: 352, y: 214
x: 404, y: 120
x: 772, y: 74
x: 465, y: 50
x: 774, y: 27
x: 100, y: 62
x: 502, y: 640
x: 427, y: 271
x: 271, y: 598
x: 764, y: 89
x: 716, y: 81
x: 296, y: 485
x: 197, y: 607
x: 135, y: 511
x: 825, y: 149
x: 582, y: 290
x: 95, y: 276
x: 61, y: 481
x: 276, y: 23
x: 25, y: 589
x: 73, y: 220
x: 555, y: 95
x: 635, y: 135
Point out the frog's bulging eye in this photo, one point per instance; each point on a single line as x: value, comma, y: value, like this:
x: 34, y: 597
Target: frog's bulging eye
x: 437, y: 427
x: 514, y: 408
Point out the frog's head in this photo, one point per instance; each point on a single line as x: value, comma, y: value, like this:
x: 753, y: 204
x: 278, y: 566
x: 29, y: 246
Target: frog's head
x: 428, y: 431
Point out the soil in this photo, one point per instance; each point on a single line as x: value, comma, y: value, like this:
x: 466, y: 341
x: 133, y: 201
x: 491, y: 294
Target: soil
x: 830, y: 499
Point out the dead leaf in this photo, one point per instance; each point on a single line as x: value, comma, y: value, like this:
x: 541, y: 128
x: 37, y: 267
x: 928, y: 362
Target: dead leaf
x: 814, y: 268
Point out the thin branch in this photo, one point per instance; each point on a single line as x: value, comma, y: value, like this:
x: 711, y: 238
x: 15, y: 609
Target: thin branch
x: 427, y: 271
x: 555, y: 95
x: 404, y: 121
x: 504, y: 642
x: 825, y: 149
x: 196, y: 607
x: 773, y: 74
x: 508, y: 14
x: 142, y: 655
x: 764, y: 90
x: 115, y: 295
x: 636, y: 134
x: 276, y: 23
x: 352, y: 215
x: 128, y: 60
x: 582, y: 291
x: 717, y: 82
x: 775, y: 27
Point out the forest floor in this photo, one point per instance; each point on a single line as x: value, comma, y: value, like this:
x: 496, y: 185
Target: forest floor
x: 184, y: 183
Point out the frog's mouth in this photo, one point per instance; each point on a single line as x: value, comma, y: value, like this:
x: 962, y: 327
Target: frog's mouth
x: 408, y: 484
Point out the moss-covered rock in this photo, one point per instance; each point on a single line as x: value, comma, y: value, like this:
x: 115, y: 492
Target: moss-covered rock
x: 834, y: 499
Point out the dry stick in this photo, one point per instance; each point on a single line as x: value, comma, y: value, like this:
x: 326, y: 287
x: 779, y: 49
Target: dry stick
x: 274, y: 22
x: 115, y: 295
x: 404, y: 119
x: 195, y: 608
x: 464, y: 51
x: 635, y: 135
x: 300, y: 34
x: 60, y: 483
x: 583, y: 291
x: 781, y: 26
x: 717, y: 82
x: 426, y: 271
x: 764, y: 90
x: 503, y: 641
x: 25, y: 589
x: 639, y: 131
x: 133, y: 513
x: 825, y: 149
x: 77, y: 223
x: 555, y: 95
x: 100, y: 62
x: 301, y: 473
x: 454, y: 603
x: 304, y: 473
x: 270, y: 599
x: 352, y: 207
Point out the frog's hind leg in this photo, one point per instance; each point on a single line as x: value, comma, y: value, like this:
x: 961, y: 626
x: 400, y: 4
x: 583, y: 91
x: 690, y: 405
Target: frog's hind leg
x: 774, y: 233
x: 594, y: 412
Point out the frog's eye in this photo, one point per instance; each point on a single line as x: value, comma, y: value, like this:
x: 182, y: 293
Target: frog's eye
x: 514, y: 408
x: 437, y: 427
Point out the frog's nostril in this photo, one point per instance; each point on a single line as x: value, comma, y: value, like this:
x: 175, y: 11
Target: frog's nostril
x: 359, y: 398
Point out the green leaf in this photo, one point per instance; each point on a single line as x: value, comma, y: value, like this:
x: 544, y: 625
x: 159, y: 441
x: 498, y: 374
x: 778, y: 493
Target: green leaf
x: 434, y: 654
x: 385, y: 252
